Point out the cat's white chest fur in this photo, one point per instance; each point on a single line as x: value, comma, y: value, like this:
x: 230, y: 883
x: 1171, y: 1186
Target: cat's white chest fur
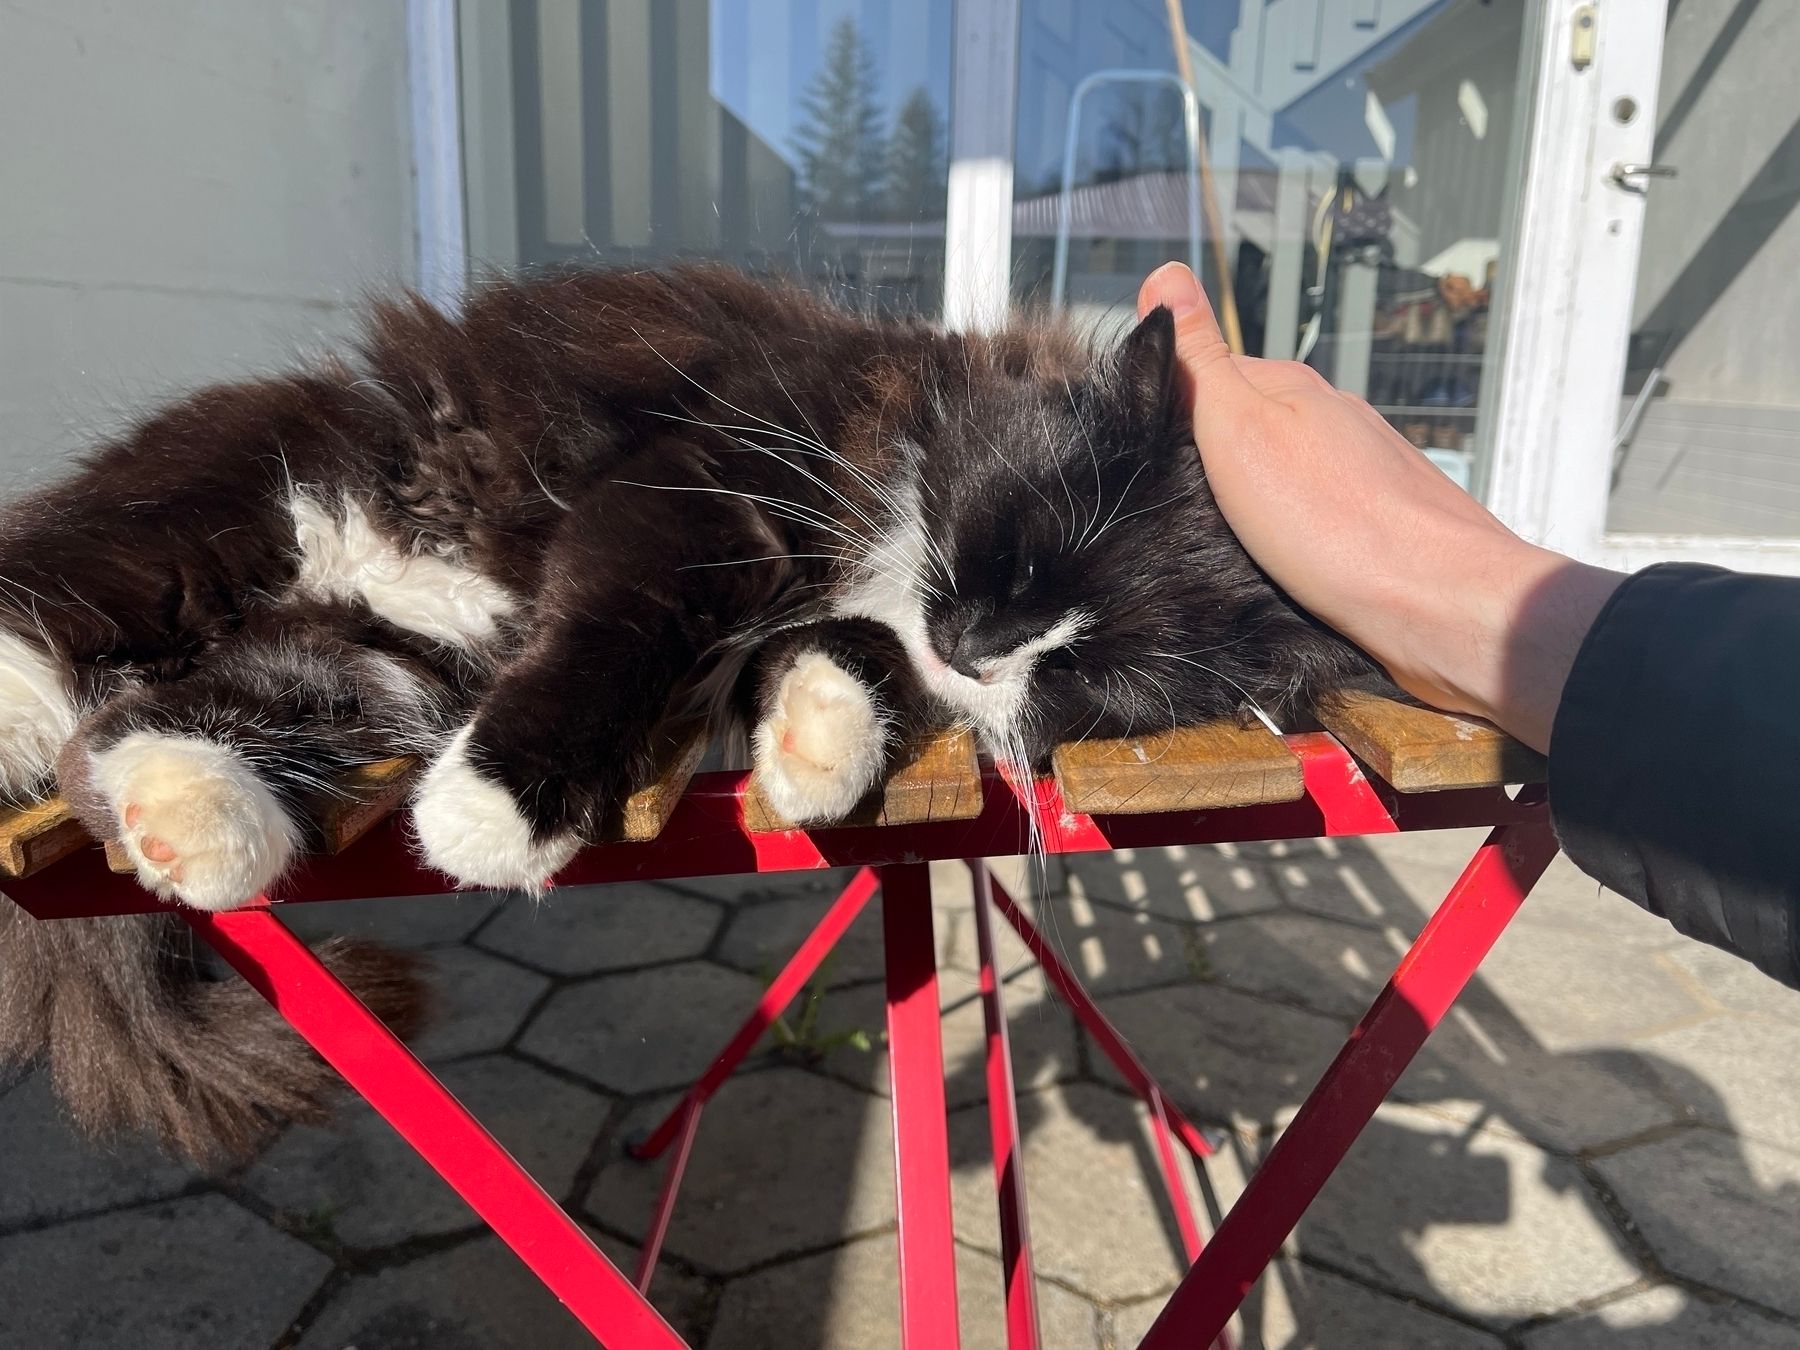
x: 343, y: 556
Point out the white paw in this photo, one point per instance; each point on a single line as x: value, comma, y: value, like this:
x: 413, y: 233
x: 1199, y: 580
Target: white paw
x: 471, y: 829
x: 37, y: 715
x: 821, y: 749
x: 195, y: 819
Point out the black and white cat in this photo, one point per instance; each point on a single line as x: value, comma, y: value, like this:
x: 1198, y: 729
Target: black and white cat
x: 510, y: 540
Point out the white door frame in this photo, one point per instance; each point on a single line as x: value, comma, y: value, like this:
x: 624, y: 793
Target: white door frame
x: 1574, y: 273
x: 435, y: 93
x: 984, y: 82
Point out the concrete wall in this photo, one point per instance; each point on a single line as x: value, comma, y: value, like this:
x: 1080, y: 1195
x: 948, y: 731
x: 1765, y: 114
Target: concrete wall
x: 1719, y: 449
x: 188, y: 191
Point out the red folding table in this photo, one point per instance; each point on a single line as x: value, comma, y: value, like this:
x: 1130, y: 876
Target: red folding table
x: 1380, y: 768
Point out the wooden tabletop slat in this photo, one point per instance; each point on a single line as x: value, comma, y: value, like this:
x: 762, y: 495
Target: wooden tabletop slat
x: 939, y: 778
x: 1422, y: 750
x: 676, y: 754
x: 1192, y: 768
x: 32, y: 837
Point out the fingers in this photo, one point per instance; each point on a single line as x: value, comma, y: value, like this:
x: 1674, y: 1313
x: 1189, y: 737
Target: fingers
x: 1198, y: 341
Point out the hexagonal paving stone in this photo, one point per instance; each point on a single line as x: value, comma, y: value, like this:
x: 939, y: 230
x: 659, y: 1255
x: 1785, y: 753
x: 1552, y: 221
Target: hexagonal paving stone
x: 476, y: 1294
x: 1223, y: 1055
x: 1665, y: 1318
x: 752, y: 888
x: 1340, y: 879
x: 1039, y: 1028
x: 1110, y: 949
x: 1731, y: 981
x: 195, y: 1274
x: 1716, y: 1209
x: 1294, y: 958
x: 1192, y: 884
x: 481, y: 1001
x: 588, y: 929
x: 1296, y: 1307
x: 1571, y: 992
x: 849, y: 1299
x: 759, y: 939
x: 52, y: 1171
x: 643, y: 1031
x: 399, y: 921
x: 358, y: 1183
x: 784, y: 1161
x: 1483, y: 1221
x: 1480, y: 1064
x: 1099, y: 1217
x: 1736, y: 1071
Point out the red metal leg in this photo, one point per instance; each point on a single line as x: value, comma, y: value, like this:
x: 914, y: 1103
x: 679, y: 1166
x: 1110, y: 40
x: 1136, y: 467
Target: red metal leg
x: 1003, y: 1127
x: 665, y: 1200
x: 379, y: 1067
x: 1427, y: 981
x: 1172, y: 1179
x: 921, y: 1133
x: 774, y: 1002
x: 1095, y: 1021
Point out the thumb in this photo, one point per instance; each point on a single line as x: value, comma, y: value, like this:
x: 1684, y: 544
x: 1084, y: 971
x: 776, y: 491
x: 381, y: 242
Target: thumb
x: 1199, y: 344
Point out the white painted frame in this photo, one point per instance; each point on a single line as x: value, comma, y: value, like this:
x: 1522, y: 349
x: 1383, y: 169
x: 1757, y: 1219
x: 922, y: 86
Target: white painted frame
x: 440, y: 221
x: 1574, y: 270
x: 984, y: 85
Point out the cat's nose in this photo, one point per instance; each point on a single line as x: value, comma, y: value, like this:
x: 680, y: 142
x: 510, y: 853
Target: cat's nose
x: 963, y: 659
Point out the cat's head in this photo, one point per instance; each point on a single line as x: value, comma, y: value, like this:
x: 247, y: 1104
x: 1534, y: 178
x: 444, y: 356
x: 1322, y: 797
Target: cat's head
x: 1074, y: 577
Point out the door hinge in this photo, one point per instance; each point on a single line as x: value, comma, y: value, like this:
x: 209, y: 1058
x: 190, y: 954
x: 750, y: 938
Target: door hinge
x: 1581, y: 36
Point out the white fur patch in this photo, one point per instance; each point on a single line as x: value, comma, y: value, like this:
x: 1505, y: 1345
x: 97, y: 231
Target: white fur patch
x: 37, y: 713
x: 821, y: 748
x: 344, y: 557
x: 897, y: 568
x: 198, y: 823
x: 471, y: 829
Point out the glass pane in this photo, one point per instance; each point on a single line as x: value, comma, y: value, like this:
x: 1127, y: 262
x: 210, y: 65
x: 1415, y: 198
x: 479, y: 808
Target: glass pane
x: 1363, y: 156
x: 802, y: 136
x: 1709, y: 432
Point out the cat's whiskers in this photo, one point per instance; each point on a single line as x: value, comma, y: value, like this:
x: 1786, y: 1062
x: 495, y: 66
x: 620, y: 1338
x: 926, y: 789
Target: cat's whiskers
x: 1124, y: 493
x: 1093, y: 455
x: 1255, y: 707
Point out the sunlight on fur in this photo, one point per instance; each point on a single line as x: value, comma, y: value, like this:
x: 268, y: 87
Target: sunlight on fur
x: 195, y: 819
x: 36, y: 714
x: 470, y: 828
x: 821, y: 749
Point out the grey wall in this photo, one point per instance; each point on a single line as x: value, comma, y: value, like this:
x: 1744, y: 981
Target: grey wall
x: 188, y: 190
x: 1716, y: 304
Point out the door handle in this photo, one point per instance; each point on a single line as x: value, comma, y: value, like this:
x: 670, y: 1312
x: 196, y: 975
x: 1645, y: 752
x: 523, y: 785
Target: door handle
x: 1621, y: 174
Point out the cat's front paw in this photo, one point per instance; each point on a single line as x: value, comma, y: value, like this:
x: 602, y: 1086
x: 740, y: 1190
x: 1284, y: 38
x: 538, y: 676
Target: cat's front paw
x: 823, y: 744
x: 471, y: 828
x: 194, y: 818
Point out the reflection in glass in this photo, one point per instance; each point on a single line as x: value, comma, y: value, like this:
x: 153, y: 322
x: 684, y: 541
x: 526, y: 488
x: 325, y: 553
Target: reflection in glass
x: 800, y: 136
x: 1364, y: 160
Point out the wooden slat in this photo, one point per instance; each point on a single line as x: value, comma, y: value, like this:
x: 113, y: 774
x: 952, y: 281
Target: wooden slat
x: 370, y: 793
x: 938, y: 778
x: 678, y: 752
x: 1193, y: 768
x: 1422, y: 750
x: 32, y: 837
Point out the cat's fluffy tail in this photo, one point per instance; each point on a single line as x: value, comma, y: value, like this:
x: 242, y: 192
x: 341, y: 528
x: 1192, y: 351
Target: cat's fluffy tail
x: 136, y: 1034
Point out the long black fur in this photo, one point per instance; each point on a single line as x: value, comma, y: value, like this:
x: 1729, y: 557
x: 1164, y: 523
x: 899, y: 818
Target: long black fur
x: 679, y: 476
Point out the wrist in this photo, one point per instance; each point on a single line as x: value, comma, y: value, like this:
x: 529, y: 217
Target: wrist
x: 1524, y: 612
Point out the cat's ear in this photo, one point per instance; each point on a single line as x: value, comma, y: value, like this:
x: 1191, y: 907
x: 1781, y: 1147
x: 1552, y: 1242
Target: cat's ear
x: 1147, y: 369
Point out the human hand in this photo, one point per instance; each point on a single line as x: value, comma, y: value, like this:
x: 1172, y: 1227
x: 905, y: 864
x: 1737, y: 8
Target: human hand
x: 1366, y: 533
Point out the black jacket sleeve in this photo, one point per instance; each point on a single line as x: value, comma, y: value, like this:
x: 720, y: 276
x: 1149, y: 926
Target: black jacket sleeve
x: 1675, y: 757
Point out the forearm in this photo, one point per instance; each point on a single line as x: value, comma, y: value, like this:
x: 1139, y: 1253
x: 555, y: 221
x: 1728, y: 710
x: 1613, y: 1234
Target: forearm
x: 1503, y: 634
